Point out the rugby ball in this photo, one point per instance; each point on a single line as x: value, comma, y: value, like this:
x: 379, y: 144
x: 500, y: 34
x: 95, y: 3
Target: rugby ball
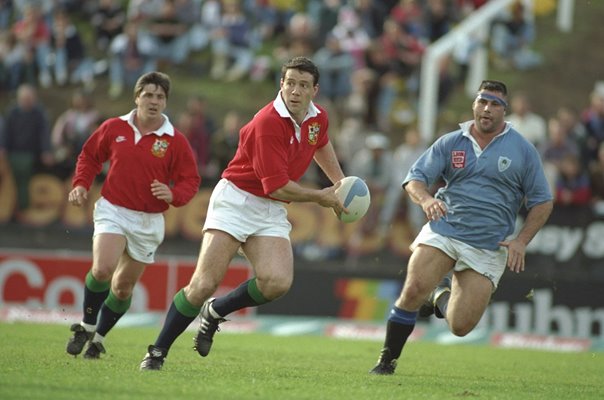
x: 354, y: 195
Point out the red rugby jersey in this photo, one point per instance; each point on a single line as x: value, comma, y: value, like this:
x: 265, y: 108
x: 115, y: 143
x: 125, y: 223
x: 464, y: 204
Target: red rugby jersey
x: 164, y: 155
x: 273, y: 150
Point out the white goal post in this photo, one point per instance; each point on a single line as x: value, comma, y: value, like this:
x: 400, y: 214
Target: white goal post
x: 475, y: 26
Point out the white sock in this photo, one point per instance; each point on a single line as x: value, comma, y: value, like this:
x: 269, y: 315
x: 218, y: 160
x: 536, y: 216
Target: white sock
x: 88, y: 327
x: 98, y: 338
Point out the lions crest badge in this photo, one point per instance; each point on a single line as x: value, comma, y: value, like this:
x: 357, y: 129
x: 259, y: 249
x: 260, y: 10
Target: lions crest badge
x: 159, y: 148
x: 313, y: 133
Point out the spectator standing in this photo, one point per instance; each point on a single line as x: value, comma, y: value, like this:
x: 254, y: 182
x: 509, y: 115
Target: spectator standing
x: 225, y: 141
x: 232, y: 44
x: 512, y: 37
x: 108, y: 19
x: 596, y: 178
x: 404, y: 156
x: 300, y: 39
x: 408, y: 15
x: 570, y: 123
x: 127, y: 60
x: 71, y: 129
x: 71, y: 60
x: 336, y: 68
x: 201, y: 31
x: 33, y: 33
x: 374, y: 165
x: 593, y: 119
x: 6, y: 12
x: 165, y: 35
x: 25, y: 142
x: 557, y: 146
x: 530, y: 124
x: 199, y: 131
x: 351, y: 35
x: 437, y: 19
x: 17, y: 63
x: 572, y: 186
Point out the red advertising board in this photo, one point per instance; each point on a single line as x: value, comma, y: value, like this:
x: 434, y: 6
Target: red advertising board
x: 55, y: 280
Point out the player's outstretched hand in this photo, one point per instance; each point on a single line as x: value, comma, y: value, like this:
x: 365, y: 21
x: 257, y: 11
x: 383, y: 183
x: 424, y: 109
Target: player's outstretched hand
x: 330, y: 199
x: 78, y: 196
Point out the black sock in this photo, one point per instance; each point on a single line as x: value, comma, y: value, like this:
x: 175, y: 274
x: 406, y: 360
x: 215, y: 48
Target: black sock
x: 246, y: 295
x: 179, y: 317
x: 112, y: 310
x: 108, y: 320
x: 442, y: 303
x: 396, y: 337
x: 95, y: 293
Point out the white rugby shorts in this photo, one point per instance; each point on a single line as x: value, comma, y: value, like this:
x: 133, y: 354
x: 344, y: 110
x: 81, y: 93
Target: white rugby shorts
x: 242, y: 214
x: 144, y: 232
x: 489, y: 263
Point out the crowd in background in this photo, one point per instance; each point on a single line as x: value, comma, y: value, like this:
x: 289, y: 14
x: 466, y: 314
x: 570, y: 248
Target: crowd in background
x: 369, y: 53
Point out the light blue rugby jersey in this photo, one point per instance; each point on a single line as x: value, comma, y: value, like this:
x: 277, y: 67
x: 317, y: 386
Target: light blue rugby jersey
x: 483, y: 193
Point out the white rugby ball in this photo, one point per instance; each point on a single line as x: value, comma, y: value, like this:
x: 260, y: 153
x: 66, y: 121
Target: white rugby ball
x: 354, y: 195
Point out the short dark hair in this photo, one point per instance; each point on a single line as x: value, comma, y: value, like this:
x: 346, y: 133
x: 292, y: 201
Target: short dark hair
x: 303, y: 64
x: 155, y: 78
x: 493, y: 86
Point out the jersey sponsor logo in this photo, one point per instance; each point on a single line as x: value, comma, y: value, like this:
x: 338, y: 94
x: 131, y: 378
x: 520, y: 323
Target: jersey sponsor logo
x: 503, y: 163
x: 458, y: 158
x: 159, y: 148
x: 313, y: 133
x: 120, y: 139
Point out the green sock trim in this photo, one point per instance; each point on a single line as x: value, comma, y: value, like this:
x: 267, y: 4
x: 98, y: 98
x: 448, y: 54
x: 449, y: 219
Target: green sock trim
x: 116, y: 305
x: 95, y: 286
x: 255, y: 293
x: 183, y: 306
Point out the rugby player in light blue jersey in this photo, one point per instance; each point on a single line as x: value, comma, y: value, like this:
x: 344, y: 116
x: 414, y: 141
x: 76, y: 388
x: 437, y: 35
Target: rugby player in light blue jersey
x: 489, y: 172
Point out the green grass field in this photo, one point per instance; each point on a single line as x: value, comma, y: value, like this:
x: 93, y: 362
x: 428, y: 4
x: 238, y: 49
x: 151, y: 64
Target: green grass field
x: 34, y: 365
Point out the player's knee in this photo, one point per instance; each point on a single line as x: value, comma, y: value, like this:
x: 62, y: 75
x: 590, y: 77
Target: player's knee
x: 122, y: 293
x: 198, y: 293
x: 414, y: 292
x: 461, y: 328
x: 274, y: 287
x: 102, y: 273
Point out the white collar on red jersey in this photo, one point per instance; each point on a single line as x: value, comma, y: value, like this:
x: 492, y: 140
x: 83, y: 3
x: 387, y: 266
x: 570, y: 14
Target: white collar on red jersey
x: 166, y: 129
x: 281, y: 108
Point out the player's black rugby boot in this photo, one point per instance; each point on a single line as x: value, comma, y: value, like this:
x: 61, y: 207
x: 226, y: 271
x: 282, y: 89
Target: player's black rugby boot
x: 385, y: 365
x: 94, y: 351
x: 154, y: 359
x: 76, y: 343
x: 429, y: 307
x: 208, y: 325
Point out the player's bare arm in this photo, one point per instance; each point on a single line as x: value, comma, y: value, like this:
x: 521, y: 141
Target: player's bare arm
x: 325, y: 197
x: 327, y: 160
x: 536, y: 218
x: 433, y: 208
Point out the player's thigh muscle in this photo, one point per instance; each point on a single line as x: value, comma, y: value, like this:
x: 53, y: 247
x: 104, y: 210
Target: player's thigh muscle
x: 427, y: 266
x: 470, y: 295
x: 125, y: 277
x: 107, y: 248
x: 272, y: 260
x: 217, y: 250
